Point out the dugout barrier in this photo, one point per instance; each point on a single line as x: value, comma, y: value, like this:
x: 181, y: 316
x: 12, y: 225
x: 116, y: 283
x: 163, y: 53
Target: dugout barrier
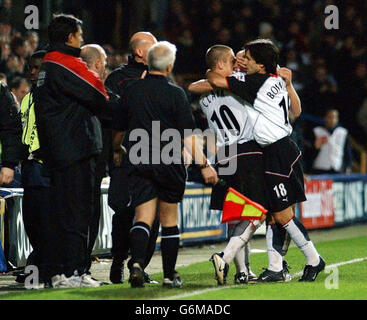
x: 333, y: 200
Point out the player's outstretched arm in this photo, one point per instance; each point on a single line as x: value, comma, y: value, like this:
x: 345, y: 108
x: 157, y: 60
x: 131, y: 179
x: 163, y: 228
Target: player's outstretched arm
x: 200, y: 87
x: 193, y: 145
x: 295, y: 106
x: 216, y: 80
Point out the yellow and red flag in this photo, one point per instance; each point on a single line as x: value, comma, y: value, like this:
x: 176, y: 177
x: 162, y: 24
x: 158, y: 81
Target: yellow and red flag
x: 238, y: 207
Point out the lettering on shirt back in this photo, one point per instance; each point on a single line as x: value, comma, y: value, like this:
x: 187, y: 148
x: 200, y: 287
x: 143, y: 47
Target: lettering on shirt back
x: 274, y: 90
x: 212, y: 96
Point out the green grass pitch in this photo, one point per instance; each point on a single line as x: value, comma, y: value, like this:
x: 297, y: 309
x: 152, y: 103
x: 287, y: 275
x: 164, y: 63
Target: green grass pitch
x: 199, y: 283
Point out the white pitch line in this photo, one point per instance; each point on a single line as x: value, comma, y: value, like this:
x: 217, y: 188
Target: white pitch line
x: 298, y: 274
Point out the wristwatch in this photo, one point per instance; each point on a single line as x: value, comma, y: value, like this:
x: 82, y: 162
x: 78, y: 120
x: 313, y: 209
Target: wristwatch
x: 205, y: 165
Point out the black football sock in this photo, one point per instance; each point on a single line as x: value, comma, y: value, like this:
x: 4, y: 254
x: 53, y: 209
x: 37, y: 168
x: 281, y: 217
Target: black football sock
x: 152, y: 241
x: 139, y: 238
x: 169, y: 247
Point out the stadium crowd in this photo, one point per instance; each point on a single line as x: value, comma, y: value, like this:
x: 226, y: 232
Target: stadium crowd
x: 329, y: 66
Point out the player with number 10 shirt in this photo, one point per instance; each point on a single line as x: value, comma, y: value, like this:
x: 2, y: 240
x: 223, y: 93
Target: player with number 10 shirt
x: 270, y: 91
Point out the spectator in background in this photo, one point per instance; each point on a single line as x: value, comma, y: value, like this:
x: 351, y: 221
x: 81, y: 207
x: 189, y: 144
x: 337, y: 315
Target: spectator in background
x: 362, y: 115
x: 177, y: 19
x: 14, y: 67
x: 10, y: 135
x: 19, y: 47
x: 19, y: 87
x: 33, y: 41
x: 225, y: 37
x: 332, y: 152
x: 17, y: 60
x: 6, y: 11
x: 239, y: 32
x: 158, y: 12
x: 185, y: 52
x: 320, y: 94
x: 3, y: 78
x: 246, y: 14
x: 266, y: 31
x: 5, y: 52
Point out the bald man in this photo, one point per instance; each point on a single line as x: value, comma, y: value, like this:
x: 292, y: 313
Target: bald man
x: 122, y: 220
x: 120, y: 78
x: 95, y: 57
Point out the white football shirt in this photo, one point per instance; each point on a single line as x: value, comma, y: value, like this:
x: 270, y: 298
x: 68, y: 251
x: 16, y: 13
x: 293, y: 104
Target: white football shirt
x: 227, y: 116
x: 268, y: 95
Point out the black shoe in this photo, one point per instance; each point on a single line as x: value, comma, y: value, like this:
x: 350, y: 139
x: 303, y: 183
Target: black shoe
x: 220, y: 267
x: 176, y: 282
x: 136, y: 276
x: 310, y: 273
x: 287, y: 275
x: 117, y: 271
x: 147, y: 279
x: 271, y: 276
x: 20, y: 278
x: 240, y: 278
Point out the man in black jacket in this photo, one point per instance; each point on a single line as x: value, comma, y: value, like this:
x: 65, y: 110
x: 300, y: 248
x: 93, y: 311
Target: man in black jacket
x: 118, y: 81
x: 95, y: 57
x: 68, y: 99
x: 10, y: 135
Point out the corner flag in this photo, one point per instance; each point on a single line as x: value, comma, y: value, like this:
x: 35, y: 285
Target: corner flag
x: 238, y: 207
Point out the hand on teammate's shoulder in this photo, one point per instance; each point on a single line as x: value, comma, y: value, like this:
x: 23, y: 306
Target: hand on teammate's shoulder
x: 286, y: 74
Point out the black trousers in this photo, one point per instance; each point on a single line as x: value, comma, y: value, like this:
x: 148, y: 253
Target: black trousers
x: 72, y: 190
x: 36, y: 209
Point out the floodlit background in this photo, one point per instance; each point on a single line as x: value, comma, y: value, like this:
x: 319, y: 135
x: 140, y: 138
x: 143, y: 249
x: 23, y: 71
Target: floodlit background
x: 329, y: 71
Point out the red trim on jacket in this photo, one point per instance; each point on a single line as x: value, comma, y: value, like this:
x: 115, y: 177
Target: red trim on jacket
x: 127, y: 79
x: 78, y: 67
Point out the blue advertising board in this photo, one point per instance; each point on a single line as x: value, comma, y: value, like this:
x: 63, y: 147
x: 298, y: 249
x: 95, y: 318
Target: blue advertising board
x: 196, y: 222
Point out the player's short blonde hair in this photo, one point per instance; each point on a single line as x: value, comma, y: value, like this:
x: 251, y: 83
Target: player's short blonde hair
x: 216, y: 53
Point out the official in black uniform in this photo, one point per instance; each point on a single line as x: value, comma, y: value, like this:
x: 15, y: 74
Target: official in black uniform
x: 118, y: 81
x: 150, y: 107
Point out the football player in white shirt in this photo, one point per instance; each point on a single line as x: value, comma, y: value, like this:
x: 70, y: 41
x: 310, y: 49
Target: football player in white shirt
x: 235, y: 228
x: 271, y: 93
x: 231, y: 120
